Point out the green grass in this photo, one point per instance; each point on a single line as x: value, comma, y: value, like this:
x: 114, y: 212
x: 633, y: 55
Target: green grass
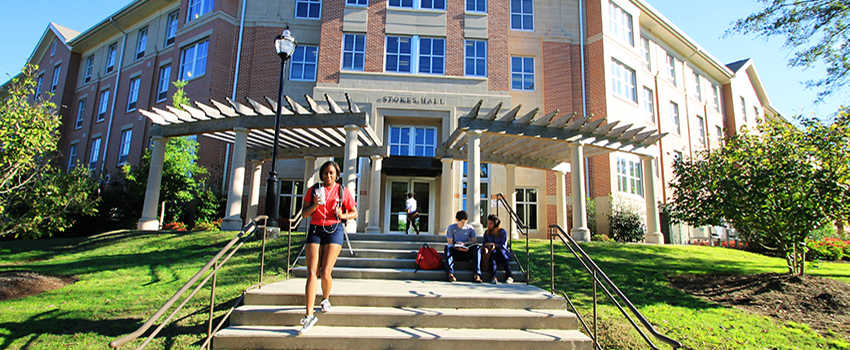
x: 123, y: 278
x: 641, y: 272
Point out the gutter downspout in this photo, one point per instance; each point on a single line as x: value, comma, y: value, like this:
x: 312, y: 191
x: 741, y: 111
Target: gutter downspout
x: 583, y: 90
x: 114, y: 96
x: 239, y: 50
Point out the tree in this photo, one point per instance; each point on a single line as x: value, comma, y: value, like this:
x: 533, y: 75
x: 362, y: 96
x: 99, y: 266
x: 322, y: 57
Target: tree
x: 36, y: 199
x: 775, y: 187
x: 179, y: 98
x: 815, y: 30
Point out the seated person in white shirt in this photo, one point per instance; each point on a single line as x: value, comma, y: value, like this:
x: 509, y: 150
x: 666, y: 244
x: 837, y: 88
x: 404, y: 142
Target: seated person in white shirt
x: 461, y: 246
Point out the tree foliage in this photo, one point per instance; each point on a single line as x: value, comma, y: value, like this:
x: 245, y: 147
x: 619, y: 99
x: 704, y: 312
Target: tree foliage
x: 815, y: 30
x: 626, y: 222
x: 775, y: 186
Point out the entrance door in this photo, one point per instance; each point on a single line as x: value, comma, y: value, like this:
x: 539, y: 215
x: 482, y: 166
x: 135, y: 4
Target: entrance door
x: 397, y: 189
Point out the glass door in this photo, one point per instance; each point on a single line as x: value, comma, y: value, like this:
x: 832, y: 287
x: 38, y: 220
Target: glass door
x: 397, y: 217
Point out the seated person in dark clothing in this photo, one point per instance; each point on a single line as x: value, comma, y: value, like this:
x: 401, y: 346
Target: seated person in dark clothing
x: 496, y: 241
x: 461, y: 246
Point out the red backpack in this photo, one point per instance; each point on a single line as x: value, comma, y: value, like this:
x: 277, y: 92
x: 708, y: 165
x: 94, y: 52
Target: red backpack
x: 428, y: 259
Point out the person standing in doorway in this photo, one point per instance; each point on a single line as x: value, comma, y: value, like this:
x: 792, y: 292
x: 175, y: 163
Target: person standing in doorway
x: 329, y: 204
x: 412, y: 213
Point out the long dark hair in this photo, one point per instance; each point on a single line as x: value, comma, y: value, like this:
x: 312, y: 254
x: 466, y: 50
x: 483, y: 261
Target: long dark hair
x: 497, y: 224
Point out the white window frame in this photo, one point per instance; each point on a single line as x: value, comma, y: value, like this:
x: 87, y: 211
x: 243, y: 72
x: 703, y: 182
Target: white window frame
x: 141, y: 43
x: 719, y: 135
x: 436, y: 61
x: 744, y: 108
x: 38, y: 84
x: 526, y: 205
x: 484, y: 187
x: 629, y: 175
x: 198, y: 8
x: 697, y: 87
x: 716, y: 90
x: 620, y: 23
x: 623, y: 81
x: 95, y: 153
x: 470, y: 55
x: 309, y: 4
x: 522, y: 14
x: 57, y: 70
x: 353, y: 52
x: 649, y: 104
x: 428, y: 149
x: 645, y: 54
x: 433, y: 5
x: 81, y: 112
x: 124, y: 148
x: 475, y: 6
x: 192, y: 72
x: 72, y: 156
x: 89, y: 69
x: 53, y: 48
x: 164, y: 83
x: 171, y: 28
x: 701, y: 129
x: 111, y: 52
x: 300, y: 63
x: 297, y: 197
x: 357, y: 2
x: 671, y: 69
x: 674, y: 117
x: 103, y: 104
x: 133, y: 94
x: 416, y: 55
x: 756, y: 113
x: 525, y: 62
x: 398, y: 54
x: 416, y: 4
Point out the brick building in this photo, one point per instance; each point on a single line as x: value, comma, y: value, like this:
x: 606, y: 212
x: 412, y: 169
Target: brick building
x: 415, y: 67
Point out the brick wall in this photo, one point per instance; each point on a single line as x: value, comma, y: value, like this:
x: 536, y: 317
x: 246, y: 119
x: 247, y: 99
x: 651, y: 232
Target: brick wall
x: 374, y: 61
x: 455, y: 43
x: 328, y: 66
x: 498, y: 22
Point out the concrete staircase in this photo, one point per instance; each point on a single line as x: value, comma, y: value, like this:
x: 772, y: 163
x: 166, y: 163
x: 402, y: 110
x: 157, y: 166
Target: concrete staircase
x: 379, y: 303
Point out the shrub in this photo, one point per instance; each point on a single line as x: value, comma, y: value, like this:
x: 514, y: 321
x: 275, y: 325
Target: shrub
x: 207, y: 226
x: 828, y: 249
x: 626, y: 224
x: 174, y: 226
x: 600, y: 238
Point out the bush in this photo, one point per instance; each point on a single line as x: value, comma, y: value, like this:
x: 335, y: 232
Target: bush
x: 600, y: 238
x: 626, y: 224
x: 831, y: 249
x: 207, y: 226
x: 174, y: 226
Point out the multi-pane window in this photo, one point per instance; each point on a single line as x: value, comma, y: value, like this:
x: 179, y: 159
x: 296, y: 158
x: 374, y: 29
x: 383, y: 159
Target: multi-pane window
x: 526, y: 206
x: 522, y: 14
x: 620, y: 24
x: 629, y: 176
x: 701, y: 122
x: 304, y: 60
x: 164, y: 82
x: 476, y: 5
x: 744, y: 108
x: 171, y: 28
x: 311, y: 9
x: 719, y: 132
x: 101, y: 111
x: 398, y: 54
x: 476, y: 58
x: 671, y: 69
x: 353, y: 51
x: 110, y: 57
x: 81, y: 112
x: 417, y: 141
x: 198, y: 8
x: 401, y: 3
x: 716, y: 91
x: 53, y: 47
x: 357, y: 2
x: 193, y: 61
x: 646, y: 61
x: 674, y: 116
x: 697, y: 87
x: 95, y: 153
x: 124, y: 148
x: 433, y: 4
x: 623, y: 81
x: 55, y: 83
x: 89, y: 69
x: 142, y: 43
x: 755, y: 113
x: 38, y: 83
x: 291, y: 198
x: 432, y: 55
x: 133, y: 94
x: 648, y: 104
x: 484, y: 187
x: 72, y: 157
x: 522, y: 73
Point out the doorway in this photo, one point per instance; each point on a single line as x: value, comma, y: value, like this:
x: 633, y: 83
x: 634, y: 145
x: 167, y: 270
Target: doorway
x: 397, y: 190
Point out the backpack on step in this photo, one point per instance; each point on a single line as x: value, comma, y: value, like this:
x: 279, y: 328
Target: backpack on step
x: 428, y: 259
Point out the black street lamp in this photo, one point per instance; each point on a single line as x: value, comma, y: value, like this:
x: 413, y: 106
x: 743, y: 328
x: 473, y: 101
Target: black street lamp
x: 284, y: 44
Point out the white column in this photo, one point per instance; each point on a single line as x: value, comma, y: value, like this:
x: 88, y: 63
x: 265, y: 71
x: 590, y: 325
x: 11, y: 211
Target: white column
x: 374, y: 198
x: 232, y: 220
x: 561, y: 197
x: 473, y: 179
x: 254, y: 196
x: 148, y: 220
x: 580, y: 232
x: 349, y: 174
x: 510, y: 194
x: 447, y: 196
x: 309, y: 172
x: 653, y: 234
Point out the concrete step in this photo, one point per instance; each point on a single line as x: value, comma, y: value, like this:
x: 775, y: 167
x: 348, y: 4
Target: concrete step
x: 407, y: 274
x: 392, y: 263
x: 423, y: 238
x: 322, y: 337
x: 395, y: 245
x: 347, y: 316
x: 379, y: 253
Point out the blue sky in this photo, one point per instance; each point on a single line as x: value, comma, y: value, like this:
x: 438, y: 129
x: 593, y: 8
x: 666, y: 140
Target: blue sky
x: 704, y: 21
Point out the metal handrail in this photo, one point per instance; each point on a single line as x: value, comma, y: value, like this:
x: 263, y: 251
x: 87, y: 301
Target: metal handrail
x: 295, y: 221
x: 522, y: 228
x: 600, y: 279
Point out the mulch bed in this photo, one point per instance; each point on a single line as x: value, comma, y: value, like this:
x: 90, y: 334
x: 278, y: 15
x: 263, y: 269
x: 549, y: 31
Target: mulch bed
x: 19, y: 283
x: 822, y: 303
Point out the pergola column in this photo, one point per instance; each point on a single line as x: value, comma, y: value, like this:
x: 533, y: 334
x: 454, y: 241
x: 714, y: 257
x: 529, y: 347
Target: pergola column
x: 349, y: 173
x: 580, y: 232
x: 510, y: 194
x: 309, y: 172
x: 561, y: 197
x: 653, y: 234
x: 254, y: 196
x: 148, y: 220
x: 232, y: 220
x: 374, y: 199
x: 447, y: 196
x: 473, y: 179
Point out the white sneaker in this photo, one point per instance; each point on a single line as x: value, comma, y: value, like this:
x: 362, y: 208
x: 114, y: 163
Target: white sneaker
x: 509, y: 280
x: 326, y: 306
x: 494, y: 281
x: 308, y: 322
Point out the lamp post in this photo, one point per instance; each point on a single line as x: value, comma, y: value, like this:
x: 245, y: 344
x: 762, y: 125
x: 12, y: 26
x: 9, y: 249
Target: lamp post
x: 284, y: 44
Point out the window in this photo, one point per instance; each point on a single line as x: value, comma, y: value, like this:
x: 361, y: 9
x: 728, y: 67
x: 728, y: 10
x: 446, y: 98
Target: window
x: 357, y: 2
x: 716, y: 91
x: 522, y: 73
x: 72, y: 157
x: 644, y: 53
x: 719, y: 132
x: 110, y: 57
x: 171, y: 28
x: 697, y: 87
x: 198, y: 8
x: 291, y: 198
x: 620, y: 23
x: 476, y: 6
x: 95, y: 153
x: 164, y: 82
x: 629, y: 176
x: 522, y: 15
x: 484, y: 188
x: 648, y: 104
x: 304, y: 60
x: 311, y: 9
x: 432, y: 55
x: 476, y: 58
x: 398, y: 54
x: 101, y: 111
x: 81, y: 112
x: 142, y: 43
x: 671, y: 69
x: 416, y: 141
x: 124, y: 149
x: 353, y: 51
x: 38, y: 83
x: 623, y: 81
x: 526, y: 206
x: 701, y: 122
x: 674, y: 115
x: 419, y: 4
x: 53, y: 48
x: 433, y: 4
x: 55, y: 83
x: 193, y: 61
x: 133, y: 94
x: 744, y: 108
x: 756, y: 113
x: 677, y: 156
x: 89, y: 68
x: 401, y: 3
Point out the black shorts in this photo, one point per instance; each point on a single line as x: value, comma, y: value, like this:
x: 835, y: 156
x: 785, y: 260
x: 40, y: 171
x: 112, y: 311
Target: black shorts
x: 333, y: 234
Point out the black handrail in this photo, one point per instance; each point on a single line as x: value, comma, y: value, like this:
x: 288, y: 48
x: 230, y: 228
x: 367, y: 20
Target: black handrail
x: 601, y: 279
x: 522, y: 228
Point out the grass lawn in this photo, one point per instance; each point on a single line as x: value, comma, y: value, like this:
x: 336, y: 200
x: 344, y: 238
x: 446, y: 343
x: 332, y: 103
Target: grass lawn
x: 641, y: 272
x: 124, y: 278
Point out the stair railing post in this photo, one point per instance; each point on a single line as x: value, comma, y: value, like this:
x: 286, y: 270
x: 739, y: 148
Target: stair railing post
x: 212, y: 307
x: 551, y: 262
x: 595, y: 321
x: 527, y: 259
x: 262, y: 259
x: 288, y: 248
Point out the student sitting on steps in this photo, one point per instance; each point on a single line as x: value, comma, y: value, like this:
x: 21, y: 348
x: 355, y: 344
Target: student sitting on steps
x: 461, y: 246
